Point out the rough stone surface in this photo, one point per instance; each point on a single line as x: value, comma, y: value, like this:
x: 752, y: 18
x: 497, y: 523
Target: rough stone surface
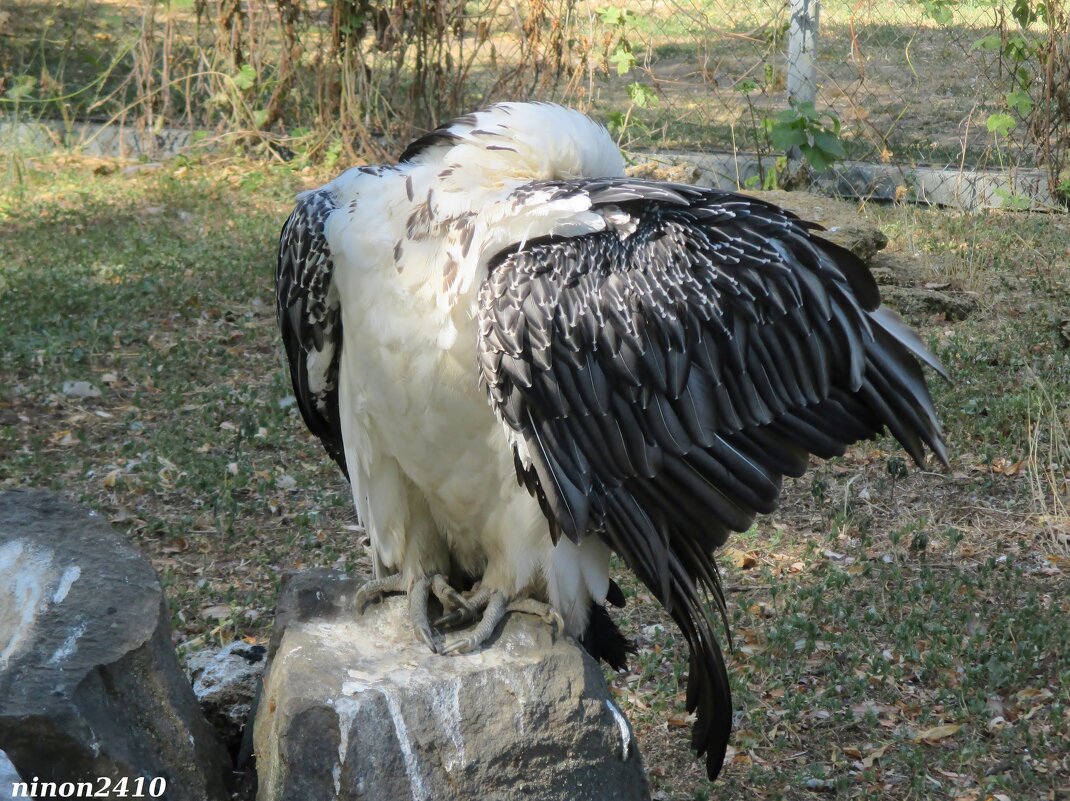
x: 840, y: 219
x: 918, y: 302
x: 225, y: 682
x: 678, y: 173
x: 359, y: 709
x: 968, y: 190
x: 8, y: 777
x: 90, y: 685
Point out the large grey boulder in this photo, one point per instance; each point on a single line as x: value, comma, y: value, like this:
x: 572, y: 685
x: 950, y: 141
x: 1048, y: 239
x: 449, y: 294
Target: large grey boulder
x: 358, y: 708
x: 90, y: 685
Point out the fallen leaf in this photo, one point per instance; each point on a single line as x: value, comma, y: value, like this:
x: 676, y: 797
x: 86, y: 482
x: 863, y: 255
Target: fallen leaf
x: 62, y: 438
x: 937, y: 733
x: 1032, y: 695
x: 874, y: 755
x: 741, y: 559
x: 680, y: 720
x: 216, y: 612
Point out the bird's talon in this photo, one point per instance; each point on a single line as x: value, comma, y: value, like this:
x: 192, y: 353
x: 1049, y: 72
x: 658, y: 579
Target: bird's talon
x: 375, y: 589
x: 425, y: 636
x: 458, y: 646
x: 453, y: 619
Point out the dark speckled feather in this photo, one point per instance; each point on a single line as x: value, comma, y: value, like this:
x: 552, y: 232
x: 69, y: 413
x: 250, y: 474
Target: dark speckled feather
x: 666, y: 373
x: 310, y: 319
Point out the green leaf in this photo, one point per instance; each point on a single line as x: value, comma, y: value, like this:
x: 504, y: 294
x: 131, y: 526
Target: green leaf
x: 830, y: 144
x: 613, y: 16
x: 642, y: 95
x: 816, y: 157
x: 1012, y: 200
x: 940, y: 11
x: 990, y: 43
x: 246, y: 77
x: 1023, y: 13
x: 785, y: 137
x: 1000, y: 123
x: 624, y: 59
x: 1020, y: 101
x: 746, y: 86
x: 22, y: 86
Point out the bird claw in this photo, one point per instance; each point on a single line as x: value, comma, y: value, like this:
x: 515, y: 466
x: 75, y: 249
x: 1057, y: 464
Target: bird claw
x: 418, y: 612
x: 459, y: 610
x: 544, y: 611
x: 492, y: 616
x: 376, y: 589
x: 465, y: 610
x: 458, y: 645
x: 496, y: 610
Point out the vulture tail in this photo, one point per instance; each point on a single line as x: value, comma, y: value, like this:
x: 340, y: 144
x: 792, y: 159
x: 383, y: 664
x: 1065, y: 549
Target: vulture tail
x: 691, y: 583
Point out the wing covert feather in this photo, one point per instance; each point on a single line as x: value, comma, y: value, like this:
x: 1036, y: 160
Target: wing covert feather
x: 666, y: 376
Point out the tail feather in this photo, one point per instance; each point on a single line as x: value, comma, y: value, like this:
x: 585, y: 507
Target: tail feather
x: 603, y: 640
x: 691, y: 581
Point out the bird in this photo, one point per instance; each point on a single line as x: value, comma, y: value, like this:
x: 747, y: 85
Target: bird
x: 525, y: 361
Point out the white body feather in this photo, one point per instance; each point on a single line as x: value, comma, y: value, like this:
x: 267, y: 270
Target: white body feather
x: 431, y: 468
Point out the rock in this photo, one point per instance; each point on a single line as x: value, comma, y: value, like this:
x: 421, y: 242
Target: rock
x: 358, y: 708
x: 840, y: 219
x: 917, y: 302
x: 8, y: 777
x: 89, y: 682
x: 681, y: 172
x: 80, y: 389
x: 884, y: 276
x: 902, y: 269
x: 225, y: 681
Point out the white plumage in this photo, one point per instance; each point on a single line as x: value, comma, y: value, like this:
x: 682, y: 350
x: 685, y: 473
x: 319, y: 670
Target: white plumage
x: 655, y: 356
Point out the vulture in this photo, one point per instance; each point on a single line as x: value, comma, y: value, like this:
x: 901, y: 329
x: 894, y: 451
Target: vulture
x: 525, y: 361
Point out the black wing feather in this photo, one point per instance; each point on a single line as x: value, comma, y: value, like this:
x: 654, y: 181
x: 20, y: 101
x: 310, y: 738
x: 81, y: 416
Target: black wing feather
x: 665, y: 380
x: 310, y: 319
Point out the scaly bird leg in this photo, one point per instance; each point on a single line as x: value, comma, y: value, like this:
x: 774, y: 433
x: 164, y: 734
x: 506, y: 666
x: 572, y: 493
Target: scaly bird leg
x: 377, y: 588
x: 496, y: 609
x: 465, y: 612
x: 451, y: 600
x: 418, y: 612
x: 530, y: 606
x: 417, y: 594
x: 492, y: 616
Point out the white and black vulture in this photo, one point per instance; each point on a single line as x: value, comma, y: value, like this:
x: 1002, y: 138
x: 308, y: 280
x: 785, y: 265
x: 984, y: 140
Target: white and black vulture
x: 525, y: 361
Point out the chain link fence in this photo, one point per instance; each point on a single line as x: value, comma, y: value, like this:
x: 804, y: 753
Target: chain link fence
x: 951, y: 85
x: 963, y: 84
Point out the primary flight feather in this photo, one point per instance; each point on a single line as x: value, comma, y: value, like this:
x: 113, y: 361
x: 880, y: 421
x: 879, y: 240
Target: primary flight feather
x: 656, y: 358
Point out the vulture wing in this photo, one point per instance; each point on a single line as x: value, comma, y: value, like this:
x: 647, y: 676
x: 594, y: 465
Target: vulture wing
x: 310, y: 318
x: 661, y: 376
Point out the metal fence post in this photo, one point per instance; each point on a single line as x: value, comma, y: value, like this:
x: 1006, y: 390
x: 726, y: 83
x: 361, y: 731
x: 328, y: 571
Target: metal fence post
x: 802, y: 50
